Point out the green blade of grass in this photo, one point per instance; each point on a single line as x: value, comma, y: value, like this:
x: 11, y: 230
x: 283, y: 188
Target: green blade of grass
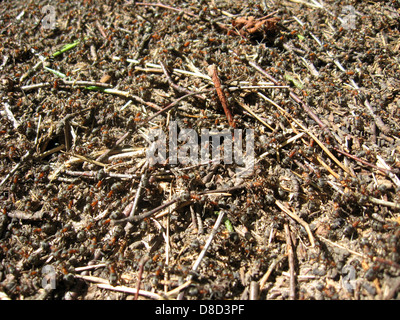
x: 229, y: 226
x: 57, y: 73
x: 66, y: 47
x: 297, y: 83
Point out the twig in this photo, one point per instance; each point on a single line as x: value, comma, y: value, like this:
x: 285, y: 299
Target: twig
x: 22, y: 215
x: 139, y: 278
x: 90, y: 267
x: 212, y: 71
x: 210, y: 238
x: 294, y: 96
x: 86, y: 159
x: 137, y: 196
x: 146, y: 103
x: 245, y: 107
x: 325, y: 149
x: 174, y: 85
x: 362, y: 161
x: 226, y: 190
x: 205, y: 248
x: 289, y: 245
x: 92, y: 174
x: 104, y: 284
x: 167, y: 246
x: 298, y: 219
x: 125, y: 289
x: 116, y: 144
x: 271, y: 268
x: 173, y: 104
x: 391, y: 175
x: 150, y: 213
x: 65, y: 82
x: 92, y: 85
x: 26, y: 156
x: 147, y: 214
x: 342, y: 247
x: 379, y: 123
x: 101, y: 29
x: 178, y: 289
x: 194, y: 220
x: 153, y: 67
x: 384, y: 202
x: 10, y: 115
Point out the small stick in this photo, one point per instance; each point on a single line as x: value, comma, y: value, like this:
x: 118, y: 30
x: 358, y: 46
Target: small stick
x: 10, y: 115
x: 298, y: 219
x: 26, y: 156
x: 265, y: 277
x: 117, y: 143
x: 289, y: 246
x: 210, y: 238
x: 212, y: 71
x: 373, y: 132
x: 384, y: 170
x: 137, y: 196
x: 90, y: 267
x: 194, y: 221
x: 147, y: 103
x: 384, y: 202
x: 226, y: 190
x: 379, y: 123
x: 245, y: 107
x: 92, y: 174
x: 326, y: 150
x: 51, y: 151
x: 174, y: 85
x: 86, y: 159
x: 101, y: 29
x: 177, y: 290
x: 333, y: 173
x: 391, y: 175
x: 342, y: 247
x: 139, y: 279
x: 22, y: 215
x: 147, y: 214
x: 293, y: 95
x: 124, y: 289
x: 65, y: 82
x: 86, y: 83
x: 173, y: 104
x: 94, y: 279
x: 167, y: 250
x: 200, y: 229
x: 206, y: 246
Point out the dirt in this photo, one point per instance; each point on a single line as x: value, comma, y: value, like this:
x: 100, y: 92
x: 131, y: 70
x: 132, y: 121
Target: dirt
x: 84, y: 84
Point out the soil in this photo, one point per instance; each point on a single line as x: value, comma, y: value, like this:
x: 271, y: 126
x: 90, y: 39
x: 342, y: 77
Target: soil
x: 84, y: 215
